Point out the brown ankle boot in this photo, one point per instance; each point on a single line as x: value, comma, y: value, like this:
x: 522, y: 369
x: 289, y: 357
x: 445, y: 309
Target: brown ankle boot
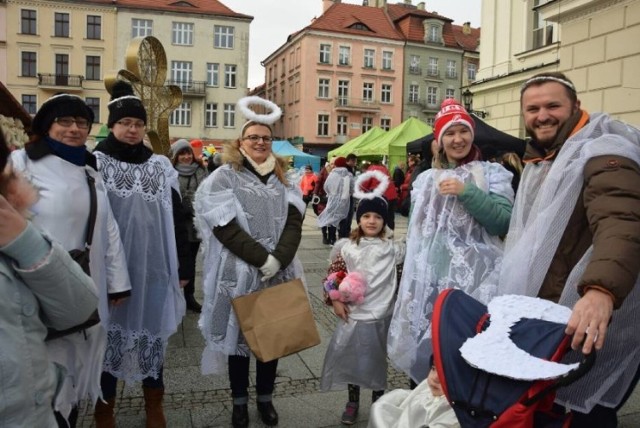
x: 103, y: 414
x: 153, y: 407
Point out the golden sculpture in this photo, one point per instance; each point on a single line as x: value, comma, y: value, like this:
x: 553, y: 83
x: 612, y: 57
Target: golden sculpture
x: 146, y: 70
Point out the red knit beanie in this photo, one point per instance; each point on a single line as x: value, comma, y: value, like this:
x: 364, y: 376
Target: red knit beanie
x: 451, y: 113
x: 340, y: 162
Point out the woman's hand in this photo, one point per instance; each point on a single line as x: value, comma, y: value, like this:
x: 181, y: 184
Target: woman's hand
x: 451, y: 186
x: 341, y: 310
x: 433, y: 381
x: 12, y: 223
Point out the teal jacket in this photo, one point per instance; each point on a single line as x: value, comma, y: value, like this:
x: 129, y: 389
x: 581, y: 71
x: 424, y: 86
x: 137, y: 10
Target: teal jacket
x: 492, y: 211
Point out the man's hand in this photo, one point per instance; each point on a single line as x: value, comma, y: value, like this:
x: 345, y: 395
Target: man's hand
x: 12, y: 223
x: 451, y: 186
x: 590, y: 318
x: 341, y: 310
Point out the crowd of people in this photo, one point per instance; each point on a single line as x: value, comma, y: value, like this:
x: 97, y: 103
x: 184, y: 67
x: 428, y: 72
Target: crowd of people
x: 118, y: 231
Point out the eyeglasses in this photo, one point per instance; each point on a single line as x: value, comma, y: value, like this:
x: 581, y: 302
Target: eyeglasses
x: 138, y: 124
x: 66, y: 122
x: 255, y: 138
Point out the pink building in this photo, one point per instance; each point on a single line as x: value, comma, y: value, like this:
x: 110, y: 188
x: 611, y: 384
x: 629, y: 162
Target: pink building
x: 338, y: 77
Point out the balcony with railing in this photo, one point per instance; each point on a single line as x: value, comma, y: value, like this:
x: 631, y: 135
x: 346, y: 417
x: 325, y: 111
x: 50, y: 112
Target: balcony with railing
x: 68, y: 82
x: 415, y: 70
x: 357, y: 104
x: 433, y: 73
x: 190, y: 87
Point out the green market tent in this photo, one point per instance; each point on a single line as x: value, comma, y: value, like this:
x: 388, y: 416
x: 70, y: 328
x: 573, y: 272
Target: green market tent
x: 351, y: 146
x: 393, y: 143
x: 102, y: 133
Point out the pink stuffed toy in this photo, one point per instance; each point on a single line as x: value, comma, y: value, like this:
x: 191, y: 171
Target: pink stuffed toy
x: 351, y: 289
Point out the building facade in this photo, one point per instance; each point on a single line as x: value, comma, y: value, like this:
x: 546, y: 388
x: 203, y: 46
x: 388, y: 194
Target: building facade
x: 588, y: 40
x: 69, y: 46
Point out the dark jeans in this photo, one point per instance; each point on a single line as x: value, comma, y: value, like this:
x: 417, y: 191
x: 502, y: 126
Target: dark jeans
x: 239, y: 376
x: 344, y: 229
x: 109, y: 382
x: 190, y: 288
x: 73, y: 418
x: 391, y: 214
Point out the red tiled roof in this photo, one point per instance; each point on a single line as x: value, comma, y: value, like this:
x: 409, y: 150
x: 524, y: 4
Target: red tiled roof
x: 341, y: 16
x: 205, y: 7
x: 468, y: 42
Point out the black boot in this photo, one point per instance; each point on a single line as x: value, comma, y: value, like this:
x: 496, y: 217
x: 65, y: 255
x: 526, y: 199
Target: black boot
x: 325, y: 236
x: 192, y: 304
x: 240, y: 416
x: 268, y: 413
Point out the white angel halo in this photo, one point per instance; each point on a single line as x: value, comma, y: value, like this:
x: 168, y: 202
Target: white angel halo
x: 267, y: 119
x: 383, y: 183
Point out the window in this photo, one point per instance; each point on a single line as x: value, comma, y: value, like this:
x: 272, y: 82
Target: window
x: 93, y: 68
x: 229, y: 76
x: 345, y: 55
x: 369, y: 56
x: 223, y: 36
x: 181, y: 116
x: 343, y: 92
x: 181, y: 73
x: 323, y: 88
x: 323, y: 125
x: 28, y: 21
x: 211, y: 115
x: 414, y: 64
x: 28, y: 64
x: 61, y: 28
x: 434, y: 34
x: 385, y: 95
x: 213, y: 74
x: 94, y: 27
x: 414, y: 92
x: 367, y: 123
x: 141, y: 27
x: 182, y: 33
x: 62, y: 65
x: 449, y: 93
x: 471, y: 72
x: 367, y: 92
x: 325, y: 54
x: 342, y: 125
x: 29, y: 103
x: 229, y: 116
x: 387, y: 60
x: 94, y: 104
x: 542, y: 31
x: 452, y: 73
x: 385, y: 123
x: 432, y: 95
x: 430, y: 121
x: 432, y: 69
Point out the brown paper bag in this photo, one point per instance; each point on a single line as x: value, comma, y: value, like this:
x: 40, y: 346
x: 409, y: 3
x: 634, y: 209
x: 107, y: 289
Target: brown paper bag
x: 277, y: 321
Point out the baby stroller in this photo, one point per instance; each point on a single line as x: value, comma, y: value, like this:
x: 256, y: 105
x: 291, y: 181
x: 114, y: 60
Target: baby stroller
x: 483, y: 399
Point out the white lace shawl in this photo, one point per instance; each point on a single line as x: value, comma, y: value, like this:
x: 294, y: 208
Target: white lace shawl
x: 546, y: 199
x: 139, y: 329
x: 446, y: 248
x: 339, y: 187
x: 261, y: 210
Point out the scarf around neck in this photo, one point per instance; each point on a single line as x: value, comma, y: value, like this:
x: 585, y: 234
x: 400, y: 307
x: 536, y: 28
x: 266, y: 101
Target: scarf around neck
x: 187, y: 170
x: 77, y: 155
x: 265, y: 168
x: 136, y: 153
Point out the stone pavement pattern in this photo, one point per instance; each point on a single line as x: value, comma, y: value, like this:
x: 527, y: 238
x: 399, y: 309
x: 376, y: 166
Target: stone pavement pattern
x: 198, y: 401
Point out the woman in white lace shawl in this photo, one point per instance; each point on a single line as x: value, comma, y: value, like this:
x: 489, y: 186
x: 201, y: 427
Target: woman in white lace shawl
x: 460, y: 208
x: 339, y: 187
x: 250, y: 218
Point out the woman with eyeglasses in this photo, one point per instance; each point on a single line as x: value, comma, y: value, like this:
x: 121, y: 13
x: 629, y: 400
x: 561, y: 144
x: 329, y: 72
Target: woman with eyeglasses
x: 145, y: 197
x: 250, y: 218
x: 57, y: 163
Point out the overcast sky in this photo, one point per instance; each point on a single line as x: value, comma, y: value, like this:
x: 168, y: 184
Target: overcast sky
x: 274, y: 20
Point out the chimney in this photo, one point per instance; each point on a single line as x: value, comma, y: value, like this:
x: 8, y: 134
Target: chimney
x: 421, y: 5
x: 326, y: 4
x: 365, y: 2
x: 407, y: 2
x: 466, y: 28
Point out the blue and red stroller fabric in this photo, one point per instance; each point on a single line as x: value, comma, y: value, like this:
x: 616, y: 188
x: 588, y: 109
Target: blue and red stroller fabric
x: 510, y: 382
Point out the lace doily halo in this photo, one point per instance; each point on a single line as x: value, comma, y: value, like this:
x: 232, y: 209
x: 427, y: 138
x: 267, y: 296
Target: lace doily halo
x: 266, y: 119
x: 377, y: 192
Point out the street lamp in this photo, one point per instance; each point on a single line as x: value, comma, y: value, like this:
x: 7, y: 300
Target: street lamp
x: 467, y: 100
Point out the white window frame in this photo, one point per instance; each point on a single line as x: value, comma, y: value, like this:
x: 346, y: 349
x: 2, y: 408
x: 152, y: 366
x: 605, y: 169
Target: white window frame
x: 385, y: 93
x: 387, y: 60
x: 471, y: 71
x: 452, y: 72
x: 432, y: 95
x: 385, y: 123
x: 182, y: 73
x: 323, y: 125
x: 181, y: 116
x: 324, y: 53
x: 344, y: 56
x: 223, y: 36
x: 367, y: 123
x: 449, y: 93
x: 414, y: 94
x: 414, y: 64
x: 432, y: 67
x: 229, y: 116
x: 324, y: 86
x: 343, y: 92
x: 230, y: 75
x: 211, y: 115
x: 182, y: 33
x: 367, y: 92
x: 213, y: 74
x: 341, y: 124
x: 141, y: 27
x: 369, y: 58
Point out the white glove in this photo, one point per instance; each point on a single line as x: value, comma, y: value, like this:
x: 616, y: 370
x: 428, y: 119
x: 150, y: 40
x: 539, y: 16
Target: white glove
x: 270, y: 268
